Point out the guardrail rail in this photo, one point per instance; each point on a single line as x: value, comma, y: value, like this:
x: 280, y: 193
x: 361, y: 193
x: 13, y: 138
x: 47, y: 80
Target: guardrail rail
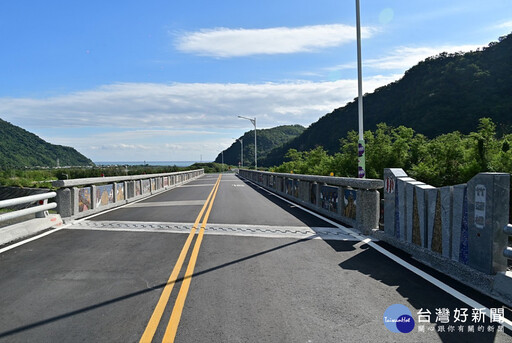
x: 39, y: 210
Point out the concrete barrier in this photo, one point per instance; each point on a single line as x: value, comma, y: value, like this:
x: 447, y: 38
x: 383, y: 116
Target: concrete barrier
x: 503, y: 281
x: 354, y: 202
x: 463, y: 222
x: 78, y: 198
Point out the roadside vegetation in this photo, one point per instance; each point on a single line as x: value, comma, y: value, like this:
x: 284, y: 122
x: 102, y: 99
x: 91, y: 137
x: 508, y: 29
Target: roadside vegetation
x: 42, y: 178
x: 448, y: 159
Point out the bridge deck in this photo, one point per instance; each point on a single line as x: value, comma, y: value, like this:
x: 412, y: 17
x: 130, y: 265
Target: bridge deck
x: 266, y: 271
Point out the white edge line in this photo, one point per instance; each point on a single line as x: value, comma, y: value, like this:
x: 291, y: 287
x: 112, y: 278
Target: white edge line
x: 15, y: 245
x: 453, y: 292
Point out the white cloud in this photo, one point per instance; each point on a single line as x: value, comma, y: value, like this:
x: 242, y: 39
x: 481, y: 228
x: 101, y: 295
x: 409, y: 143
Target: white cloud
x: 180, y: 106
x: 505, y: 25
x: 403, y: 58
x: 224, y: 42
x: 143, y: 121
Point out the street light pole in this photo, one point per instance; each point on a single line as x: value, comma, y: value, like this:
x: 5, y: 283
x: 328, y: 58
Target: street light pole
x: 361, y: 146
x: 241, y: 150
x: 253, y: 121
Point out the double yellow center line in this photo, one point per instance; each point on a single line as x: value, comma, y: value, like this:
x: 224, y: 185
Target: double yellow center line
x: 172, y: 326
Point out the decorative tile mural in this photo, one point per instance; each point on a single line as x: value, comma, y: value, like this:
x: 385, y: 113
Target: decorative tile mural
x: 146, y: 186
x: 288, y: 186
x: 312, y: 193
x: 104, y: 195
x: 84, y: 199
x: 120, y: 192
x: 138, y: 190
x: 329, y: 198
x: 350, y: 203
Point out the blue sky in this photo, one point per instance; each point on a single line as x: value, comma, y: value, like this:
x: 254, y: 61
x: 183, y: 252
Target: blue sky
x: 165, y: 80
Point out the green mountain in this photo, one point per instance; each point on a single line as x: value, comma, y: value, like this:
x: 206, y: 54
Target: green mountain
x: 267, y: 140
x: 441, y: 94
x: 20, y: 148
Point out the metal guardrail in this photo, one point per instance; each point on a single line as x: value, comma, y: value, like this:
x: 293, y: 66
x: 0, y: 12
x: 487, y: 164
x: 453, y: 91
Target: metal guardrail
x: 507, y: 252
x: 39, y: 210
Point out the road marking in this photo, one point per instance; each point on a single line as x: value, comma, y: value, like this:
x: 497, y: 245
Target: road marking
x: 172, y: 327
x: 453, y: 292
x: 170, y: 203
x: 301, y: 232
x: 201, y: 185
x: 150, y: 330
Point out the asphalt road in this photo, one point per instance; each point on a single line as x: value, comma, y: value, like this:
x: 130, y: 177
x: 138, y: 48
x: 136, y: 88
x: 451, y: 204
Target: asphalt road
x: 265, y: 271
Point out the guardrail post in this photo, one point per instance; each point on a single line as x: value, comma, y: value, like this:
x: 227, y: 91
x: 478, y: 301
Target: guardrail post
x: 74, y: 200
x: 64, y: 203
x: 393, y: 203
x: 488, y: 205
x: 93, y: 197
x: 367, y: 210
x: 42, y: 214
x: 114, y: 188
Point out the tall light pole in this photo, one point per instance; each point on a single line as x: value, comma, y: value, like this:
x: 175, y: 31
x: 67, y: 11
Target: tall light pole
x: 253, y: 121
x: 241, y: 150
x: 222, y: 153
x: 361, y: 146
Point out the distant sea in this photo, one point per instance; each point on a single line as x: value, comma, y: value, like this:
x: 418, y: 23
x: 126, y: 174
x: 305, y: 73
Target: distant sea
x: 151, y: 163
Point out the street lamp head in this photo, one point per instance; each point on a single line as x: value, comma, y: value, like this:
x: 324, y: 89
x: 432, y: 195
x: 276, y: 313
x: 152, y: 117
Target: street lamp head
x: 253, y: 120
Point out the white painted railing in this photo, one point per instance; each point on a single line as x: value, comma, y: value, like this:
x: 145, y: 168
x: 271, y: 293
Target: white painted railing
x: 39, y: 210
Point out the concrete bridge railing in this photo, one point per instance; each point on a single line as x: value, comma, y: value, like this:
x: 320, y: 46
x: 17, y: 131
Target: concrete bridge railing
x: 463, y: 223
x: 82, y: 197
x: 461, y: 230
x: 352, y: 201
x: 507, y: 252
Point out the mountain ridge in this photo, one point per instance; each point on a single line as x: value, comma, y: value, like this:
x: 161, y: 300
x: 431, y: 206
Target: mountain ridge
x: 442, y: 94
x: 20, y: 148
x: 267, y: 139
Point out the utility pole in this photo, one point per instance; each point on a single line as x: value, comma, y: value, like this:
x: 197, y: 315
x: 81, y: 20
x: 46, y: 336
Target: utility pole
x: 361, y: 146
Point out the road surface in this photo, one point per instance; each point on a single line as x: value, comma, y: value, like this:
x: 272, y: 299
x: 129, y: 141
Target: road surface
x: 261, y: 270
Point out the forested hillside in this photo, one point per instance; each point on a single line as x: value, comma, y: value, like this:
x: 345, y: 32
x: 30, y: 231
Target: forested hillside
x: 268, y: 139
x: 20, y: 148
x: 442, y: 94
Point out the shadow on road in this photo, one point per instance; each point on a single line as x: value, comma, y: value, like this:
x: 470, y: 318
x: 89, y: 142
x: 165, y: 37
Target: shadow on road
x: 420, y: 294
x: 141, y: 292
